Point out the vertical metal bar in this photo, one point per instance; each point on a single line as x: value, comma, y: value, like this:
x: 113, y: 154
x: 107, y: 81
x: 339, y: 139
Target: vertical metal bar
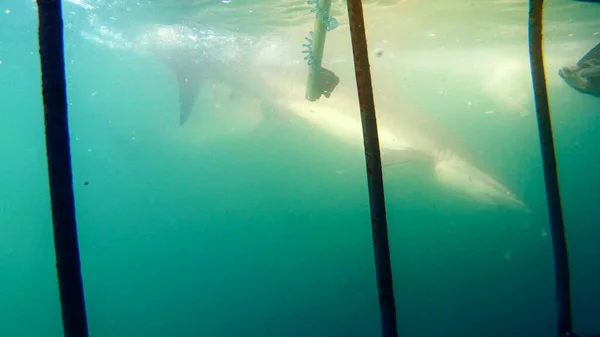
x: 60, y: 175
x: 561, y: 261
x: 387, y: 304
x: 318, y: 47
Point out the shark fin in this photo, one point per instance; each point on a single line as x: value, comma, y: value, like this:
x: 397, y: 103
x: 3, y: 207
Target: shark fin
x: 592, y: 56
x: 189, y: 87
x: 268, y: 110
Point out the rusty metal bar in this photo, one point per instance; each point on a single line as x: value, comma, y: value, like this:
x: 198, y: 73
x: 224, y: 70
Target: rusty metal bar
x: 54, y: 92
x: 387, y: 304
x: 557, y: 227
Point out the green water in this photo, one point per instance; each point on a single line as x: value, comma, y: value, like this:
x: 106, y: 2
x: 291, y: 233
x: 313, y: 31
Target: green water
x: 267, y: 232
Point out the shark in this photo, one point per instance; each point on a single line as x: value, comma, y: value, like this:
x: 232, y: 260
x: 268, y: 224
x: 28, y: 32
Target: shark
x: 260, y: 67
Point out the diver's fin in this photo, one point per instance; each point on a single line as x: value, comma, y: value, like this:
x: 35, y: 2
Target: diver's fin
x: 399, y: 157
x: 189, y: 87
x: 593, y: 54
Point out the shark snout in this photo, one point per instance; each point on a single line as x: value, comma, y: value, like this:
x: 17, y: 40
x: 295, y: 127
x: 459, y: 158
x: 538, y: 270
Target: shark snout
x: 517, y: 204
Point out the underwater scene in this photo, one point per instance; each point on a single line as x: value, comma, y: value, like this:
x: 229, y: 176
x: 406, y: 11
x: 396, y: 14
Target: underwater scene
x: 214, y: 199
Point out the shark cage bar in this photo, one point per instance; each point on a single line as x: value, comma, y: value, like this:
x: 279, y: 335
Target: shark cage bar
x: 557, y: 227
x: 58, y: 151
x: 383, y: 267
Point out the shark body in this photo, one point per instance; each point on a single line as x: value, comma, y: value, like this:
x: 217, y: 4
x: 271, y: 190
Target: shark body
x: 256, y: 68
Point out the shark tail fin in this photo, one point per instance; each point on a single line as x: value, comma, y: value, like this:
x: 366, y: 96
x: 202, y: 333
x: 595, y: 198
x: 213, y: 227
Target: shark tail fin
x: 189, y: 87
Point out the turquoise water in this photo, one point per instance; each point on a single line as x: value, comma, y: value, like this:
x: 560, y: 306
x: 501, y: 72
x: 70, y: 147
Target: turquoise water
x: 266, y: 231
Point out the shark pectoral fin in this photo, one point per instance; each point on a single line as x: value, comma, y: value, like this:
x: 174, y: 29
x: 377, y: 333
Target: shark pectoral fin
x: 399, y: 157
x: 189, y: 87
x: 268, y: 110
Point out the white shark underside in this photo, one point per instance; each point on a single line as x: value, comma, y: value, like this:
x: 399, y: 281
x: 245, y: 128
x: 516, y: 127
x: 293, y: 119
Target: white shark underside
x: 257, y: 68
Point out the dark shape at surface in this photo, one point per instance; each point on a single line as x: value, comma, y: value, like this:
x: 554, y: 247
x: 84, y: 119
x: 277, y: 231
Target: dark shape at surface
x: 585, y: 75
